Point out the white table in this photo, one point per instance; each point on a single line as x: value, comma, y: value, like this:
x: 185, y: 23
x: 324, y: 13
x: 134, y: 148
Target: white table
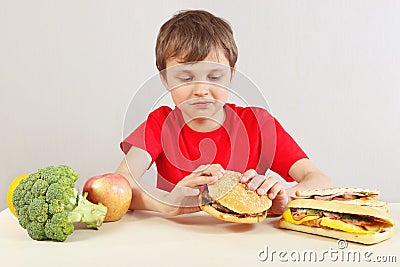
x: 149, y: 239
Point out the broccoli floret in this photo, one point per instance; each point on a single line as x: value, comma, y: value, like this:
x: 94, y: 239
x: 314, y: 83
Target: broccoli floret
x: 38, y: 210
x: 53, y: 174
x: 39, y: 188
x: 23, y: 216
x: 28, y: 183
x: 62, y: 194
x: 66, y: 182
x: 59, y: 227
x: 18, y: 197
x: 28, y: 198
x: 47, y: 204
x: 36, y: 231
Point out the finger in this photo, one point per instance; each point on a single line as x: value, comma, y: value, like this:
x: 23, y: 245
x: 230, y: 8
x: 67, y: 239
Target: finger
x: 200, y: 169
x: 214, y: 170
x: 282, y: 195
x: 190, y: 209
x: 184, y: 191
x: 279, y: 203
x: 267, y: 185
x: 197, y: 180
x: 247, y: 175
x: 211, y: 170
x: 256, y: 182
x: 275, y: 190
x: 203, y: 168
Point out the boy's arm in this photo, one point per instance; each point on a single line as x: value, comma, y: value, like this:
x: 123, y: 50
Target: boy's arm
x: 182, y: 199
x: 308, y: 176
x: 139, y: 161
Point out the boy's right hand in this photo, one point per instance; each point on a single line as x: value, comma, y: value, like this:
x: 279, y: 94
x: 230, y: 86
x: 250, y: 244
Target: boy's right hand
x: 204, y: 174
x: 184, y: 197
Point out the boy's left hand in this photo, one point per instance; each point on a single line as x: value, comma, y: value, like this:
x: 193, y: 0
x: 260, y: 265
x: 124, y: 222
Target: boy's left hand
x: 267, y: 186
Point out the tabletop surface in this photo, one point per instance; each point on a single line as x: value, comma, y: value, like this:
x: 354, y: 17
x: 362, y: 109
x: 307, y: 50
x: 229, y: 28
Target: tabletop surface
x: 144, y: 238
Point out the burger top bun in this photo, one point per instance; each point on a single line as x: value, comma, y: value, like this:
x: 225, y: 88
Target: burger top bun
x: 229, y: 192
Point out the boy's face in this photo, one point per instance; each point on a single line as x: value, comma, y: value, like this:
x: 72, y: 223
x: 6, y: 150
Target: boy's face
x: 200, y: 89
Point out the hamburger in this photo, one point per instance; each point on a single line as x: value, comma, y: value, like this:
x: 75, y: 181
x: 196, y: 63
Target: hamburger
x: 229, y: 200
x: 351, y: 214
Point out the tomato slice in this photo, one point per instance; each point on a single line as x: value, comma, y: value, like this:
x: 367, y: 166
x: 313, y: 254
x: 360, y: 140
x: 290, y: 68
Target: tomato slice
x: 342, y: 198
x: 363, y: 223
x: 299, y: 217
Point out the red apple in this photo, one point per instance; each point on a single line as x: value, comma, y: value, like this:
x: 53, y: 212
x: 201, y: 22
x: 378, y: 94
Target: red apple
x: 113, y: 191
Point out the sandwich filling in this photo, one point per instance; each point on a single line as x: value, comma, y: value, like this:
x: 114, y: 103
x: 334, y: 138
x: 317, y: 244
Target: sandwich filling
x: 341, y: 196
x: 338, y: 194
x: 351, y: 223
x: 206, y: 199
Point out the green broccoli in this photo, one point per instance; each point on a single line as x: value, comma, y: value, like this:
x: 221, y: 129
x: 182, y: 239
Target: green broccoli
x: 47, y: 204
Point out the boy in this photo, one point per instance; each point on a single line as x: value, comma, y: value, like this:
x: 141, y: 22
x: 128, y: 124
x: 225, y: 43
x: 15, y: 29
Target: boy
x: 203, y: 135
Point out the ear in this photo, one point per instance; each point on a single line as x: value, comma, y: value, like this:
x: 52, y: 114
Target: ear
x: 163, y: 78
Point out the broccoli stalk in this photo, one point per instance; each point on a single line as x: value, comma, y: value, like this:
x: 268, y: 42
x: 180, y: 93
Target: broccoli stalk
x: 86, y: 212
x: 48, y: 204
x: 61, y: 224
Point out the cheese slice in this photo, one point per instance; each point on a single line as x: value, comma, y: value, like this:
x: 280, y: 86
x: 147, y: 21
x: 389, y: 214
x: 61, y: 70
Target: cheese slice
x: 346, y: 227
x: 287, y: 215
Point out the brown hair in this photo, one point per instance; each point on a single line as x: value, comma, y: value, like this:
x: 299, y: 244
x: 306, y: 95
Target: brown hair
x: 191, y: 35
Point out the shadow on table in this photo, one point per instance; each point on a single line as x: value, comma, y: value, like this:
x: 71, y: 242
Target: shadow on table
x: 197, y: 222
x: 210, y: 224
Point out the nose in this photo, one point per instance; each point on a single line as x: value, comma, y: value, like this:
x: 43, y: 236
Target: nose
x: 200, y: 89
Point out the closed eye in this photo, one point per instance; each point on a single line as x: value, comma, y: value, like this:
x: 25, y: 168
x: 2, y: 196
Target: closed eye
x: 185, y: 79
x: 214, y: 78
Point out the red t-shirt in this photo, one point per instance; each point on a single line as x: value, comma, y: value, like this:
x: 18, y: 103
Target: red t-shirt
x: 249, y: 138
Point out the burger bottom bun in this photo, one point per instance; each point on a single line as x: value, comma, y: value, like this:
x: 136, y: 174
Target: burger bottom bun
x: 250, y: 219
x: 367, y: 239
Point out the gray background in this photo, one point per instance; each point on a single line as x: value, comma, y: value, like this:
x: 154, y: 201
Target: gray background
x: 329, y: 69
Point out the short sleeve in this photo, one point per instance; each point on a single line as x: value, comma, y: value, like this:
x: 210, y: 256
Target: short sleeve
x: 287, y: 152
x: 147, y: 136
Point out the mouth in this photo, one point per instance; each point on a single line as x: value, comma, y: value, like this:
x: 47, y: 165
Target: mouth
x: 202, y: 103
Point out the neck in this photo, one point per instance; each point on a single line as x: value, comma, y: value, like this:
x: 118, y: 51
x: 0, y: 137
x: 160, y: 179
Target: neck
x: 203, y: 124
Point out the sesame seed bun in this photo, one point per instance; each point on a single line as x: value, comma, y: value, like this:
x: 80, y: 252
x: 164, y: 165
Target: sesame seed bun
x: 229, y: 200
